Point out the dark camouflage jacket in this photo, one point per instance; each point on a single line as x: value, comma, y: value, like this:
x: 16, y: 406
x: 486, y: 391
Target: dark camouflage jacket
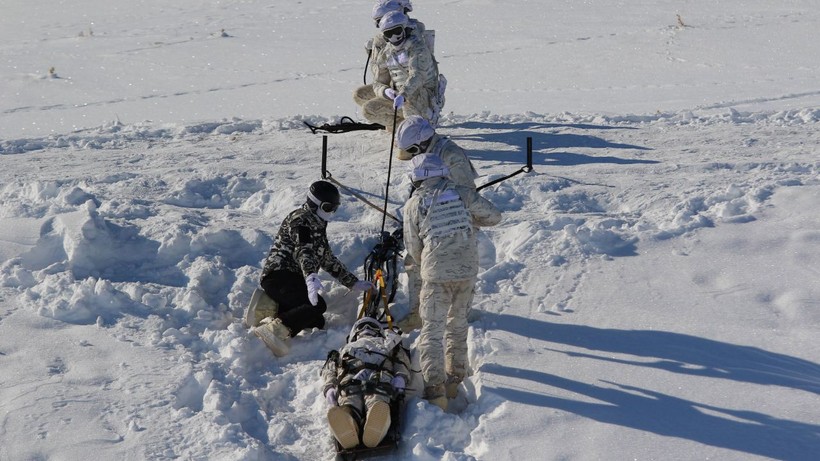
x: 301, y: 246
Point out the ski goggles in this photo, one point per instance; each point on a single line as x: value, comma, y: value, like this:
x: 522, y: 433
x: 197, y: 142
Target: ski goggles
x: 414, y: 149
x: 329, y: 207
x: 396, y: 31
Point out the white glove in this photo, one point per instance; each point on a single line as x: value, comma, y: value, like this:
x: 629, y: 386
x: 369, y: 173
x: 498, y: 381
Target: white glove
x: 398, y: 101
x: 390, y: 93
x: 363, y: 375
x: 363, y: 285
x: 398, y: 383
x: 330, y: 396
x: 314, y: 284
x: 369, y: 46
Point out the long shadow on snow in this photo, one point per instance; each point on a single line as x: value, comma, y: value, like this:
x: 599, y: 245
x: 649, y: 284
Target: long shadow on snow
x: 665, y: 414
x: 542, y: 141
x: 675, y: 352
x: 534, y: 125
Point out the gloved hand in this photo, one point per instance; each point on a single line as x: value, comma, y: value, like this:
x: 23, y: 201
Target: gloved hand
x: 369, y: 46
x: 363, y: 285
x: 314, y: 284
x: 398, y: 101
x: 363, y: 375
x: 398, y: 383
x: 390, y: 93
x: 330, y: 396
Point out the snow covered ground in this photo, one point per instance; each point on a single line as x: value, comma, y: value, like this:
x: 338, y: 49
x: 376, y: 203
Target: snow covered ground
x: 651, y: 294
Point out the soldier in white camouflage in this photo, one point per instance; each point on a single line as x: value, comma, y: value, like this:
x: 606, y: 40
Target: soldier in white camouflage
x: 361, y: 379
x: 415, y: 136
x: 407, y: 76
x: 289, y: 276
x: 375, y: 45
x: 440, y: 225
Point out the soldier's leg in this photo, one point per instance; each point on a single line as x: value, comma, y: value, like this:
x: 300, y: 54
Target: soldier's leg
x: 289, y: 291
x: 433, y: 310
x: 363, y: 94
x: 305, y: 316
x: 344, y: 420
x: 380, y: 110
x: 456, y: 358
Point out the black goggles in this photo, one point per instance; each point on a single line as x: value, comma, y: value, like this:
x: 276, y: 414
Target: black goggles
x: 414, y: 149
x: 328, y: 207
x: 393, y: 32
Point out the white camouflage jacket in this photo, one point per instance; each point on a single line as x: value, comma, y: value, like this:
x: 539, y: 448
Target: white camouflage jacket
x: 410, y: 68
x: 440, y: 222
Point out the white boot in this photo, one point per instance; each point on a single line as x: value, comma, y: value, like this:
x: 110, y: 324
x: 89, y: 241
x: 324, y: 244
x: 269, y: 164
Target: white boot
x: 260, y: 307
x: 274, y: 334
x: 376, y: 424
x: 436, y: 395
x: 343, y: 426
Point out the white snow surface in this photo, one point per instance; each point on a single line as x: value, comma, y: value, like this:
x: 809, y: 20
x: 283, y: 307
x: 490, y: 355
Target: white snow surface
x: 652, y: 292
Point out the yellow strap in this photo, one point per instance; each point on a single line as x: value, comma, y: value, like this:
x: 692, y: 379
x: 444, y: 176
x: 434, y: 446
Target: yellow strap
x: 367, y: 298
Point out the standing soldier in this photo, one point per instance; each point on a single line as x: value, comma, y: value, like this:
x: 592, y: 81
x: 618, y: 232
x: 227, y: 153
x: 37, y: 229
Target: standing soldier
x: 440, y: 222
x: 416, y: 136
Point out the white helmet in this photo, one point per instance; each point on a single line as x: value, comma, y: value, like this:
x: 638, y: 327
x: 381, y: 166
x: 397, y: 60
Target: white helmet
x: 426, y: 166
x: 383, y: 7
x: 365, y: 322
x: 408, y: 7
x: 415, y: 129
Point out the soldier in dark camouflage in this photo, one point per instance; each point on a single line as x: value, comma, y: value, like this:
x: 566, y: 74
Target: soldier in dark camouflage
x: 301, y: 248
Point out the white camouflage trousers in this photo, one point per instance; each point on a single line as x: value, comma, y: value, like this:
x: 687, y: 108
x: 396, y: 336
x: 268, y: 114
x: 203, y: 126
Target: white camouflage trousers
x: 443, y: 339
x: 380, y: 110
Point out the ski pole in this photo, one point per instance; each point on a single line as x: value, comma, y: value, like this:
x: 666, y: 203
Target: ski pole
x: 389, y: 166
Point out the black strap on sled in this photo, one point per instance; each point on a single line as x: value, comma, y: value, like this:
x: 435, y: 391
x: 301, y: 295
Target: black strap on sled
x: 525, y: 169
x: 345, y: 124
x: 385, y: 255
x: 355, y: 387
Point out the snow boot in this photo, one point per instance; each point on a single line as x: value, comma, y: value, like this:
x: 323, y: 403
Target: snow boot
x: 451, y: 388
x: 376, y: 424
x: 343, y: 426
x: 260, y: 307
x: 275, y: 335
x: 436, y: 396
